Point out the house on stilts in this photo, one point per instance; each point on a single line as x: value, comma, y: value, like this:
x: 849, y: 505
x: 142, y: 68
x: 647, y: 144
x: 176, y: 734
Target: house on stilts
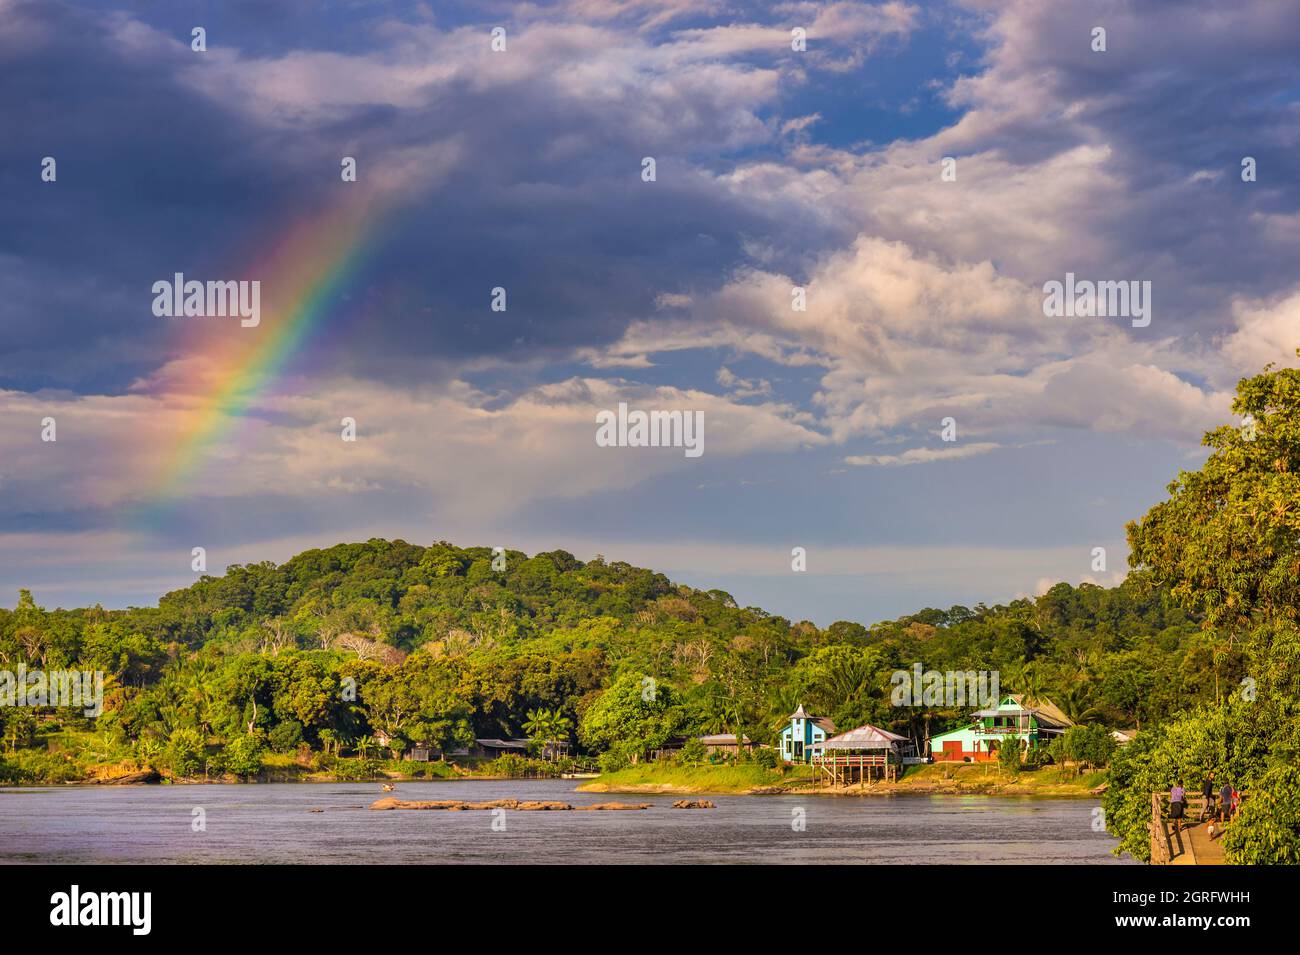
x: 862, y: 755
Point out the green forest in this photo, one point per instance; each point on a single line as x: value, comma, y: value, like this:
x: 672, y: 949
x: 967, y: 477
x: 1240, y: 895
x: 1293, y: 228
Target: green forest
x: 349, y: 654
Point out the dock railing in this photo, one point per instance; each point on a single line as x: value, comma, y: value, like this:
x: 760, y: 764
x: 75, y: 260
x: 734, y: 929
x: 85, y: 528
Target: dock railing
x: 1164, y: 837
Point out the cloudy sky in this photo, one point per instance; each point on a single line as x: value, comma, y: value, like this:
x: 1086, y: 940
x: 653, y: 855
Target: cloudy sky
x: 522, y: 169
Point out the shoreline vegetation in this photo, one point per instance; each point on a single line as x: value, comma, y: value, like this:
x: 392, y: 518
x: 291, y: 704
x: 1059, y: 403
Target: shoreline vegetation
x: 748, y: 778
x: 957, y: 779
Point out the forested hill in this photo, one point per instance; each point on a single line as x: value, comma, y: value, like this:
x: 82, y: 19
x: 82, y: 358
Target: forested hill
x: 479, y: 640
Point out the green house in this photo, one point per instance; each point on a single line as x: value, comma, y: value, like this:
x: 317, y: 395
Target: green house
x: 802, y: 733
x: 1030, y: 723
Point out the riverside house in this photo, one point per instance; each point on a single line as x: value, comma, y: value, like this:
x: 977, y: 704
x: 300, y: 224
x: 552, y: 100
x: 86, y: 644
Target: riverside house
x: 861, y: 755
x: 726, y: 743
x: 1031, y: 723
x: 803, y: 733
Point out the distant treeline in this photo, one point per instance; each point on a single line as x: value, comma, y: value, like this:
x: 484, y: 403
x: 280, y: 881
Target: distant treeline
x: 442, y: 648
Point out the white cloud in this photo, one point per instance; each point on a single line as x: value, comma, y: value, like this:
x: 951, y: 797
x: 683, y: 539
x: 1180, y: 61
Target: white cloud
x: 1265, y: 332
x: 473, y: 455
x: 922, y: 455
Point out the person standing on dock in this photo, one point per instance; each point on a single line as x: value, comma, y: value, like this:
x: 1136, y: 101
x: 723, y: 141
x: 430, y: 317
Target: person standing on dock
x: 1207, y: 791
x: 1225, y: 802
x: 1177, y: 805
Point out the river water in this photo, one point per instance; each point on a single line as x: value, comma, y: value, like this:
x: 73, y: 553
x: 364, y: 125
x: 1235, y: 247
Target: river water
x: 273, y: 823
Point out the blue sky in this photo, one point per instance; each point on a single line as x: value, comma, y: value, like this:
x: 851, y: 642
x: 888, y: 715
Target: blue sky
x: 521, y: 169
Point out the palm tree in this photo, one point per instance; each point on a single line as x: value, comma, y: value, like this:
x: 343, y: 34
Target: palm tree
x: 1076, y: 701
x: 547, y: 727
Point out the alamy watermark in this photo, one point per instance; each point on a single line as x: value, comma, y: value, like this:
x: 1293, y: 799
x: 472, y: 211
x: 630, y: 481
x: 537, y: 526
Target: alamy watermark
x: 918, y: 687
x: 1127, y: 298
x: 83, y: 689
x: 651, y: 429
x: 213, y: 299
x: 75, y: 907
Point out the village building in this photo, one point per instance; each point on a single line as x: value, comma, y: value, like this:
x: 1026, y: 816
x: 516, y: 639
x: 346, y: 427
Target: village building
x: 726, y: 743
x: 1030, y: 724
x: 499, y: 747
x: 802, y: 733
x: 860, y: 755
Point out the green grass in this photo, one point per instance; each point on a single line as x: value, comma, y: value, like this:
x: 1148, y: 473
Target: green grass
x: 669, y: 777
x: 989, y: 777
x: 964, y: 778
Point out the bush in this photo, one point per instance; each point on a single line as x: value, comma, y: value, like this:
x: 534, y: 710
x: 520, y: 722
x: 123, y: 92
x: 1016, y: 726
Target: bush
x: 1037, y: 757
x: 285, y: 737
x: 613, y: 760
x: 185, y: 752
x: 766, y: 758
x: 243, y: 756
x: 356, y: 770
x: 148, y: 750
x: 37, y: 766
x: 1089, y: 745
x: 692, y: 753
x: 509, y: 765
x: 1267, y: 830
x: 1009, y: 757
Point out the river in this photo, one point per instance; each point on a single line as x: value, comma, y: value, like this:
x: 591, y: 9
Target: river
x: 267, y: 823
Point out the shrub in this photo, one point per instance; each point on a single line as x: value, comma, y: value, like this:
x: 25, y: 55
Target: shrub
x: 1037, y: 757
x: 1086, y: 745
x: 285, y: 737
x: 692, y: 753
x: 184, y: 752
x: 611, y: 761
x: 766, y: 758
x: 243, y: 756
x: 509, y: 765
x: 1009, y: 754
x: 356, y: 770
x: 36, y: 766
x: 1267, y: 830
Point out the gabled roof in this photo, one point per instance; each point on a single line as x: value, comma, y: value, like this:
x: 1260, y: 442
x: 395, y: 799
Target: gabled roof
x: 864, y: 737
x: 1045, y: 708
x: 503, y: 743
x: 953, y: 732
x: 824, y: 722
x: 827, y: 725
x: 1018, y: 704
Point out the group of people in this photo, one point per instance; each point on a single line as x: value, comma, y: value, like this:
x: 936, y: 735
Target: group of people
x: 1229, y: 801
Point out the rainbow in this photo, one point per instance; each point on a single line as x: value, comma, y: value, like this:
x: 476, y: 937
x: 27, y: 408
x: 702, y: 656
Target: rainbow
x: 302, y: 273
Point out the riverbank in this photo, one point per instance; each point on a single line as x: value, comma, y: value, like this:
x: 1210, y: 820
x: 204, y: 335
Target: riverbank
x: 81, y: 759
x: 964, y: 779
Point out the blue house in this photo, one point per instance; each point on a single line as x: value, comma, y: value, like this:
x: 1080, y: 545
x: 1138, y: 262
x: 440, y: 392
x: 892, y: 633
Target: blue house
x: 804, y: 731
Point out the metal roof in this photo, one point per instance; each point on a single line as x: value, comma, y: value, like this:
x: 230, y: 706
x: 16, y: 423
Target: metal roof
x: 826, y: 723
x: 1043, y: 708
x: 864, y: 737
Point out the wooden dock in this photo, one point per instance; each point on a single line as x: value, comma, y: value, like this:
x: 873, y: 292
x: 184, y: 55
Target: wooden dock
x: 1192, y: 846
x: 854, y: 769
